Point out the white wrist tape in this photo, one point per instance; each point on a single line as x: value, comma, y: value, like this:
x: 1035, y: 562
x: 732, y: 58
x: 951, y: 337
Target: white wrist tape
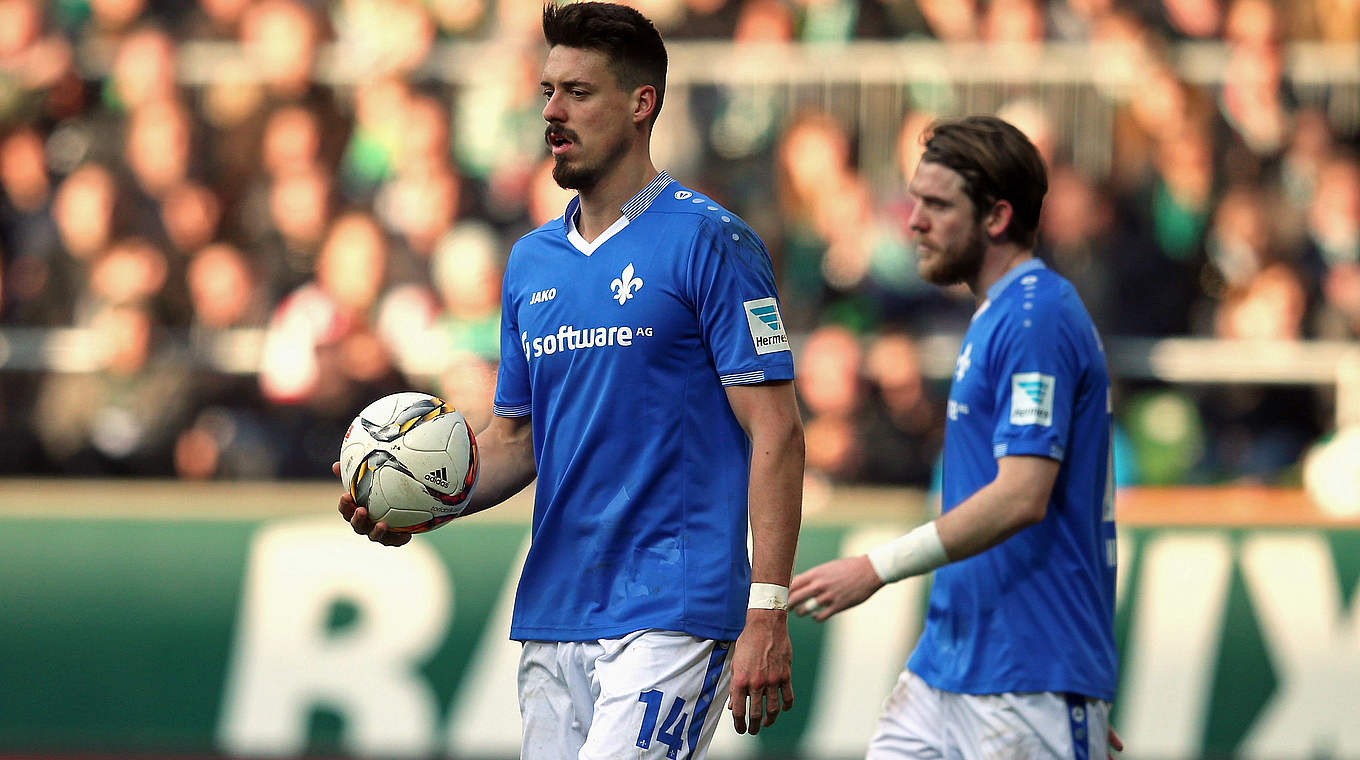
x: 919, y: 551
x: 768, y: 596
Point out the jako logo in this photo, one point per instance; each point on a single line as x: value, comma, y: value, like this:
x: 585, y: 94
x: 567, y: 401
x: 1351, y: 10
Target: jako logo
x: 625, y: 285
x: 540, y: 296
x: 439, y: 477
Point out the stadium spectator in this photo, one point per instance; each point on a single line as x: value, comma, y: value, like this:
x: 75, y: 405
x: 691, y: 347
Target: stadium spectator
x: 280, y: 38
x: 121, y: 416
x: 468, y: 381
x: 229, y: 436
x: 951, y: 20
x: 706, y: 20
x: 498, y: 142
x: 812, y: 163
x: 292, y: 140
x: 111, y: 18
x: 37, y: 68
x: 84, y: 210
x: 383, y: 36
x: 158, y: 144
x: 322, y: 357
x: 1012, y: 22
x: 1158, y: 244
x: 143, y: 70
x: 224, y: 289
x: 131, y: 271
x: 320, y: 335
x: 288, y: 235
x: 30, y: 258
x: 214, y: 20
x: 466, y: 270
x: 1074, y: 236
x: 124, y: 143
x: 1333, y: 246
x: 831, y: 387
x: 459, y: 18
x: 903, y: 429
x: 190, y: 216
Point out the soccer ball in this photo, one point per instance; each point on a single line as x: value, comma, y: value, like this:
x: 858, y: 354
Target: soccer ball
x: 410, y: 459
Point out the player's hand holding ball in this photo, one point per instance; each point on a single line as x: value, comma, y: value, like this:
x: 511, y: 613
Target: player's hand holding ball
x: 408, y: 463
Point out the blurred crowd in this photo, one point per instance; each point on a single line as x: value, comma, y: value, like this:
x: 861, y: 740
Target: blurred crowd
x: 313, y: 176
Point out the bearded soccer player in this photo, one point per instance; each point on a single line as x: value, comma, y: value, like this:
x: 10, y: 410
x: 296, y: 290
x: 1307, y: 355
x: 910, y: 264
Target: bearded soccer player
x: 645, y: 381
x: 1017, y: 658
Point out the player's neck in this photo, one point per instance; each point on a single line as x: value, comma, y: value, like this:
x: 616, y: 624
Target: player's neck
x: 602, y: 204
x: 995, y: 264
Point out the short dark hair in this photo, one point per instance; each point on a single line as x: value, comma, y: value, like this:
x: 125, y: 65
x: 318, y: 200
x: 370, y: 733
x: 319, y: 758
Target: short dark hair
x: 636, y: 54
x: 997, y: 162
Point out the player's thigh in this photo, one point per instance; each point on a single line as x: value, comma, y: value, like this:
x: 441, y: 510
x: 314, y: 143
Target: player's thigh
x: 1027, y: 726
x: 909, y: 726
x: 661, y: 695
x: 555, y: 698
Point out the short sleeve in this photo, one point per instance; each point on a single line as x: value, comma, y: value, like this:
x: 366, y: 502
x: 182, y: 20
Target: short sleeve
x: 513, y: 396
x: 740, y: 318
x: 1034, y: 385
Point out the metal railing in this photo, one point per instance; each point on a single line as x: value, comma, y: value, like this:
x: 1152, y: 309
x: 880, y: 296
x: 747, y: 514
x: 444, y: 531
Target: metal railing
x: 1171, y: 360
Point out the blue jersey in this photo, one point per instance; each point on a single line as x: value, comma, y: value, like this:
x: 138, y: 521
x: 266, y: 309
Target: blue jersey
x: 1035, y: 612
x: 620, y: 348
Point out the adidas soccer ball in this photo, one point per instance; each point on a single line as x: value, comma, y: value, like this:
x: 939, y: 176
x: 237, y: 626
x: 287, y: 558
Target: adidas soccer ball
x: 410, y: 459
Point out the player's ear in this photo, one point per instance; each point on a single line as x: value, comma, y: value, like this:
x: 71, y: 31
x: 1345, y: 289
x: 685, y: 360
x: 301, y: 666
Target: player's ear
x: 998, y: 219
x: 644, y: 103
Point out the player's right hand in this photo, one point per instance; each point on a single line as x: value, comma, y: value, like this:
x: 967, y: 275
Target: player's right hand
x: 357, y: 517
x: 833, y: 586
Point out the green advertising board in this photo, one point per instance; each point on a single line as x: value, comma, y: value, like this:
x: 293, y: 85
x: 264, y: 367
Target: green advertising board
x: 291, y: 636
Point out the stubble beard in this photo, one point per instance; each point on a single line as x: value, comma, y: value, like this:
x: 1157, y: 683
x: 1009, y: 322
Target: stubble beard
x: 959, y: 265
x: 584, y: 177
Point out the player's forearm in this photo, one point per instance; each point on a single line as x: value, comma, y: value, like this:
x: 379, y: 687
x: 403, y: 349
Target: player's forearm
x: 986, y: 519
x: 775, y: 500
x: 506, y: 465
x: 1015, y: 500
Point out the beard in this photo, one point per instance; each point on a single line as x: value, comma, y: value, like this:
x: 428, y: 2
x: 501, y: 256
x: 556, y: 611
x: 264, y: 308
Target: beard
x: 579, y: 175
x: 958, y: 264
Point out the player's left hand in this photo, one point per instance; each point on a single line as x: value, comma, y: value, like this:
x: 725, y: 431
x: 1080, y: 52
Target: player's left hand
x: 762, y: 671
x: 833, y: 586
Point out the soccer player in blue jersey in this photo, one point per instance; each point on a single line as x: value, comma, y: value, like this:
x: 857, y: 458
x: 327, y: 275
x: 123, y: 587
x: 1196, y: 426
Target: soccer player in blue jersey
x: 645, y: 381
x: 1018, y: 657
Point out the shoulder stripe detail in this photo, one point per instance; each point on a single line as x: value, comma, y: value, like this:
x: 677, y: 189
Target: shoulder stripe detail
x: 634, y: 208
x: 999, y: 450
x: 743, y: 378
x: 512, y: 411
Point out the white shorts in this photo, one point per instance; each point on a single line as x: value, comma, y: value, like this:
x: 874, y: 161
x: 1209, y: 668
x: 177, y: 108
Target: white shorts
x: 921, y: 722
x: 650, y: 694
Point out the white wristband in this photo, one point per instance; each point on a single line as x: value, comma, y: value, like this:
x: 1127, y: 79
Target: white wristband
x: 919, y: 551
x: 768, y: 596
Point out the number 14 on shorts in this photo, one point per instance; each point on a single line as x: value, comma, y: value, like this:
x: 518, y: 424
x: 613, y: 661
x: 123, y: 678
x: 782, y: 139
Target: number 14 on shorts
x: 672, y: 730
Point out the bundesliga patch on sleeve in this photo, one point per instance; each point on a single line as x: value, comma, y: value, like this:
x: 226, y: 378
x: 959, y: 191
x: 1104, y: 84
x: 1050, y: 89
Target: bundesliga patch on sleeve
x: 1031, y: 399
x: 767, y: 328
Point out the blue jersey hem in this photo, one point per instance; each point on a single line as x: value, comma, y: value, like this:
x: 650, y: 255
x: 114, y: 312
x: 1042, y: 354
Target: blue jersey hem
x: 534, y: 633
x: 1019, y: 687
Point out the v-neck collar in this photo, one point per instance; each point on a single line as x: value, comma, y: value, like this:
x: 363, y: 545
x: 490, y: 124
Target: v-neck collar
x: 628, y: 213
